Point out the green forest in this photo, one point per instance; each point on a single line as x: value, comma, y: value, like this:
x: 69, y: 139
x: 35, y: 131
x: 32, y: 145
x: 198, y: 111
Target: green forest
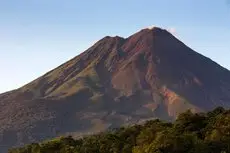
x: 189, y: 133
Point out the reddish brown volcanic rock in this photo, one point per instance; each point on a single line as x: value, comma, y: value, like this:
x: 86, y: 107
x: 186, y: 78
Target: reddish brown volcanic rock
x: 117, y: 81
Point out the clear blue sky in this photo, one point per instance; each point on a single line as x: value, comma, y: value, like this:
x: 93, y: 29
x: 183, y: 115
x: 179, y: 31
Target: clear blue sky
x: 38, y: 35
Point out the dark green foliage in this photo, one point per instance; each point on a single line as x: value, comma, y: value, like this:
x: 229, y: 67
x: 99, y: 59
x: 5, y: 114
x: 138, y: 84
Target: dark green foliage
x: 190, y: 133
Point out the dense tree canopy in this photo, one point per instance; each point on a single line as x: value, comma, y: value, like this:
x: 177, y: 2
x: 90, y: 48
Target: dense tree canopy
x: 190, y: 133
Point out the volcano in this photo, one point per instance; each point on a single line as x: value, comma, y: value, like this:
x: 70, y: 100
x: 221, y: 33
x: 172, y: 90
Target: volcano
x: 116, y: 82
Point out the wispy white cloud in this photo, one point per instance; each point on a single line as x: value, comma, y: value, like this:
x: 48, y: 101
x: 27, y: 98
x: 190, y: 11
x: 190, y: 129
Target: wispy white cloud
x: 172, y: 30
x: 151, y: 27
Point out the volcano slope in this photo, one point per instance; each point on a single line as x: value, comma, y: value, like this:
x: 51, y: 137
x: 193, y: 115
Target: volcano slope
x: 117, y: 81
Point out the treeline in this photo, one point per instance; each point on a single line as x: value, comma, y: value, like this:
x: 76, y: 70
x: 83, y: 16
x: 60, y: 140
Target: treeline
x: 190, y: 133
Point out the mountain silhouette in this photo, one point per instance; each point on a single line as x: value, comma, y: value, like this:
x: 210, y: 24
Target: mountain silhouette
x: 117, y: 81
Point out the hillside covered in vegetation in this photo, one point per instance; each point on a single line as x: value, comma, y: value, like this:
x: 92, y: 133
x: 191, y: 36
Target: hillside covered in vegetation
x: 190, y: 133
